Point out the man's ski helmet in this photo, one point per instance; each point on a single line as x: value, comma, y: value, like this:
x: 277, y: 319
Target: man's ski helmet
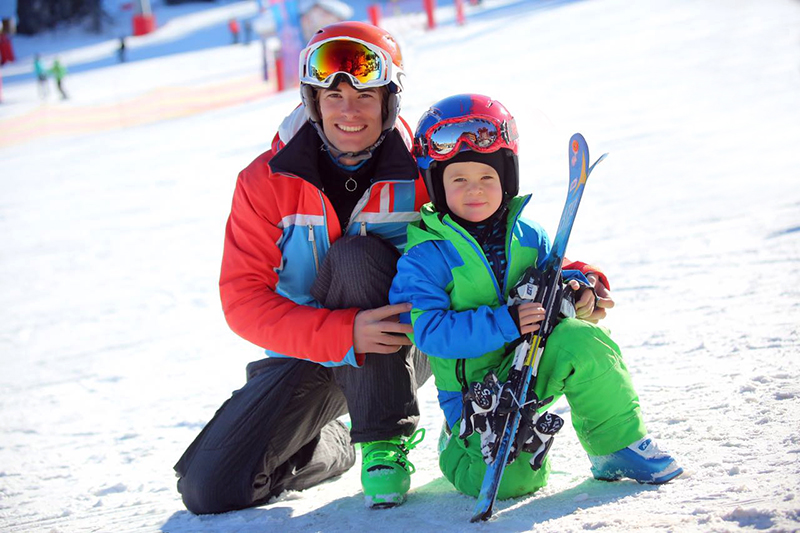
x: 460, y: 123
x: 363, y: 55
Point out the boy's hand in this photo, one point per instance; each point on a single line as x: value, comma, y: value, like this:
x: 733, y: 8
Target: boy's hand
x: 380, y: 331
x: 530, y: 314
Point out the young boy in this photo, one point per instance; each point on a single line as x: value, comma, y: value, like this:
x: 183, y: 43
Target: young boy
x: 460, y: 263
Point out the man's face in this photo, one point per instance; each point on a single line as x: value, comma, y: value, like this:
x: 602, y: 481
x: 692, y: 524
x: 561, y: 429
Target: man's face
x: 351, y: 119
x: 473, y: 190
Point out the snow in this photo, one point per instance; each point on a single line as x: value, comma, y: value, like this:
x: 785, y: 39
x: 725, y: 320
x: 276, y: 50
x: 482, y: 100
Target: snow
x: 115, y: 352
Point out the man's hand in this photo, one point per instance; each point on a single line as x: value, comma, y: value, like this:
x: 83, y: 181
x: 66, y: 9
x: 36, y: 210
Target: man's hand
x: 380, y: 331
x: 585, y: 304
x: 587, y: 307
x: 604, y: 299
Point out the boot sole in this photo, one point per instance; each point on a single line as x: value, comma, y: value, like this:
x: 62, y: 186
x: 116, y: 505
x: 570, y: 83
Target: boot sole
x: 663, y: 480
x: 385, y: 503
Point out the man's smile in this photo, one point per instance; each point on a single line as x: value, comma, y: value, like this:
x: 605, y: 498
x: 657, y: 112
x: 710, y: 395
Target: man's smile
x: 350, y: 129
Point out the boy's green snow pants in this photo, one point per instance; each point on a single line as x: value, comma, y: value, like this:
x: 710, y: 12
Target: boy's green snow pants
x: 582, y: 363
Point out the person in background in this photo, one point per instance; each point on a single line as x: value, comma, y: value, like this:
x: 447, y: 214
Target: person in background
x: 41, y: 76
x: 233, y: 27
x: 248, y: 31
x: 59, y: 72
x: 121, y: 51
x: 6, y: 48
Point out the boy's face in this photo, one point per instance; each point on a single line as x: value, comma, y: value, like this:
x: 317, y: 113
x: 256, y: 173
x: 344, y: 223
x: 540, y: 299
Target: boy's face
x: 352, y: 120
x: 473, y: 190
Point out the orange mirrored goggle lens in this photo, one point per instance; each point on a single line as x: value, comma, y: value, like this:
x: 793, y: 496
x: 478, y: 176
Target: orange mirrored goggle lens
x: 361, y: 63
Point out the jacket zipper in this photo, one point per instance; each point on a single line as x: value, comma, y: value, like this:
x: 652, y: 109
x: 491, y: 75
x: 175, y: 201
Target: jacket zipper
x: 313, y: 242
x: 509, y: 235
x: 461, y: 374
x: 363, y: 201
x: 461, y: 364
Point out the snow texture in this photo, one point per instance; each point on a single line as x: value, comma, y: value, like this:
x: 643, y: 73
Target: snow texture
x: 115, y: 353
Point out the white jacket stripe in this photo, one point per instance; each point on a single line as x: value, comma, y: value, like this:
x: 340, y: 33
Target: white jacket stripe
x: 299, y: 219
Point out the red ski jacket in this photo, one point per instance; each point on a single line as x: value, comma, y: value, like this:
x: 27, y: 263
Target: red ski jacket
x: 280, y: 229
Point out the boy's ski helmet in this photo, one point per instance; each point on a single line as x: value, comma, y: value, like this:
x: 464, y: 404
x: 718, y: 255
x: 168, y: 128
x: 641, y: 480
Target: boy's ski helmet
x: 460, y: 123
x: 361, y: 54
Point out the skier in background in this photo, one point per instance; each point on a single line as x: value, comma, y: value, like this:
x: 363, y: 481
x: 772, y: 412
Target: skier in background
x: 466, y: 148
x: 6, y: 48
x: 248, y: 31
x: 41, y: 76
x: 121, y: 51
x: 233, y: 27
x: 59, y: 72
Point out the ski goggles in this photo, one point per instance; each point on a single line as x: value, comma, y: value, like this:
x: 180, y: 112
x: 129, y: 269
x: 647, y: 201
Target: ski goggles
x: 364, y: 64
x: 481, y: 134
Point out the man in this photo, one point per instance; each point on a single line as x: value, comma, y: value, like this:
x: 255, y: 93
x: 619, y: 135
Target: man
x: 311, y: 244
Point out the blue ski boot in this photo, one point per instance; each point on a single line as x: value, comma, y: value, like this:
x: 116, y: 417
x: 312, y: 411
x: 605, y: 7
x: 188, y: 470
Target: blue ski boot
x: 642, y: 461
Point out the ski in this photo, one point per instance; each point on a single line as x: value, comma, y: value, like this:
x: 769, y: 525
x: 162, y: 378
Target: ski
x: 522, y: 376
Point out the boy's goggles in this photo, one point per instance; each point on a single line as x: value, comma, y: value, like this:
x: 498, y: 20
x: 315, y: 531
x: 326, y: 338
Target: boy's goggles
x: 481, y: 134
x: 364, y: 64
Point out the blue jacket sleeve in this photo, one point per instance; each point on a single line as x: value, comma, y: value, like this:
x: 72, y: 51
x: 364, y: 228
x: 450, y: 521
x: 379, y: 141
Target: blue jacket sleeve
x: 423, y: 276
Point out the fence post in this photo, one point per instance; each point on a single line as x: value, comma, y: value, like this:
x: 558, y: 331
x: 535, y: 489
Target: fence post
x: 460, y: 12
x: 279, y: 75
x: 144, y: 21
x: 374, y: 11
x: 430, y: 8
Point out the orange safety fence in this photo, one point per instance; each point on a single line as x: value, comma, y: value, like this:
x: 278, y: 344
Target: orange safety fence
x: 156, y: 105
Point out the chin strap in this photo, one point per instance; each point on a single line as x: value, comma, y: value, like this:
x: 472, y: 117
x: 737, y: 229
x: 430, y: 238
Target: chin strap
x: 338, y: 155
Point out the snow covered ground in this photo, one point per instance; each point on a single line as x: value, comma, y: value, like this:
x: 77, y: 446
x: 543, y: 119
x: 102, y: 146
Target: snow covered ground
x: 114, y: 351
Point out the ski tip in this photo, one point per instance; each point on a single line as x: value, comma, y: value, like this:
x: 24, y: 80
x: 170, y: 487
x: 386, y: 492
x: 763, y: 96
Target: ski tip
x: 576, y: 142
x: 595, y: 163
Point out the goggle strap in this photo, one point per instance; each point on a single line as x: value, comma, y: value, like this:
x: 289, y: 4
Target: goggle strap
x: 508, y: 129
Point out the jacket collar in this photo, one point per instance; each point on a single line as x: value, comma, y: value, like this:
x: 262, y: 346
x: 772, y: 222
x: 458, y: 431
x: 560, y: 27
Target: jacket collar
x: 437, y: 221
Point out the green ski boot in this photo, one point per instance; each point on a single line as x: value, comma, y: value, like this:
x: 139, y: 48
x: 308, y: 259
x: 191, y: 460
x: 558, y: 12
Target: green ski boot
x: 386, y: 470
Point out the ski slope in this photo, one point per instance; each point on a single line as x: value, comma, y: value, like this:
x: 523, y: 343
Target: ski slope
x: 114, y: 351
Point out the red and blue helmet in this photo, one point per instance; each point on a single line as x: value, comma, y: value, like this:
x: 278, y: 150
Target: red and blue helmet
x: 460, y: 123
x: 363, y: 55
